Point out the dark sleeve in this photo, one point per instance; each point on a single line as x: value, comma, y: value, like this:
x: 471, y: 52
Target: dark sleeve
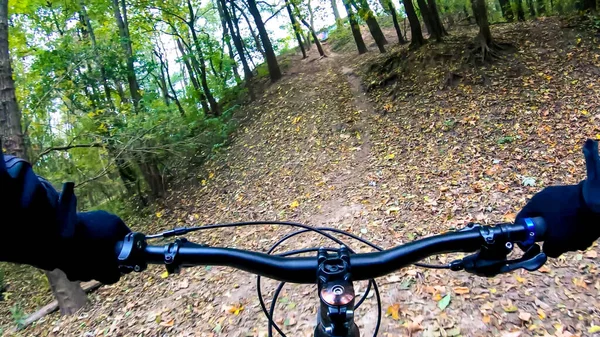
x: 29, y: 215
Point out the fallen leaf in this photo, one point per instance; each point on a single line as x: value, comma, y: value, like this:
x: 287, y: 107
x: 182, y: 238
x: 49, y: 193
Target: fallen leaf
x: 509, y: 307
x: 594, y: 329
x: 294, y: 204
x: 524, y: 316
x: 437, y: 297
x: 544, y: 269
x: 453, y: 332
x: 236, y: 309
x: 511, y: 334
x: 390, y: 156
x: 486, y: 319
x: 461, y: 290
x: 164, y: 274
x: 592, y: 254
x: 393, y: 210
x: 444, y: 302
x: 158, y: 214
x: 578, y: 281
x: 519, y: 279
x: 393, y: 310
x: 184, y: 284
x: 541, y: 313
x: 168, y: 324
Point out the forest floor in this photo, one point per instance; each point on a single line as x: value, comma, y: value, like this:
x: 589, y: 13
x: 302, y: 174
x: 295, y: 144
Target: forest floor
x: 389, y: 153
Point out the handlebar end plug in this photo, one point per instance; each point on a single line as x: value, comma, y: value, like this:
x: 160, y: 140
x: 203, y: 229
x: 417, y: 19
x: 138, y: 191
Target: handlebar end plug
x: 131, y: 256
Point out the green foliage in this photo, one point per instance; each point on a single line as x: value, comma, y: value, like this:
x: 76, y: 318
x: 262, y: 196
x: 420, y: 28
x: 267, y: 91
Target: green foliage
x: 506, y: 140
x: 18, y: 314
x: 340, y: 39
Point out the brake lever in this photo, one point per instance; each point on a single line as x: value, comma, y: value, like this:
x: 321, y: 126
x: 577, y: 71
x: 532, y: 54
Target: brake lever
x: 481, y: 265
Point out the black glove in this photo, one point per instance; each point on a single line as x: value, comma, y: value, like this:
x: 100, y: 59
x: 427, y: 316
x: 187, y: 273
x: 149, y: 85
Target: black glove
x: 42, y: 228
x: 571, y: 212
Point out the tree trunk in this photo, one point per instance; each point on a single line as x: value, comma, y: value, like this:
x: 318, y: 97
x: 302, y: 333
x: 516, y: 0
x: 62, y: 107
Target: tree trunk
x: 541, y: 7
x: 365, y: 12
x: 314, y: 36
x: 274, y: 71
x: 237, y: 41
x: 126, y: 45
x: 193, y: 79
x: 416, y: 39
x: 480, y: 13
x: 153, y: 177
x: 11, y: 132
x: 165, y: 79
x: 257, y: 43
x: 120, y: 91
x: 429, y: 21
x: 296, y: 28
x: 531, y: 8
x: 307, y: 39
x: 336, y: 13
x: 214, y: 106
x: 435, y: 13
x: 311, y: 16
x: 507, y: 12
x: 227, y: 38
x: 360, y: 43
x: 68, y: 294
x: 520, y: 11
x: 586, y: 5
x: 392, y: 10
x: 92, y: 35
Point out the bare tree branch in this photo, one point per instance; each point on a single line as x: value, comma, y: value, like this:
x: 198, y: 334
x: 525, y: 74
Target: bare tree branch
x: 66, y: 148
x: 275, y: 14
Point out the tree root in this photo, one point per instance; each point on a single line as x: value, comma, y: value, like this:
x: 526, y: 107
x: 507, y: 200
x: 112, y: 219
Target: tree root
x: 486, y: 52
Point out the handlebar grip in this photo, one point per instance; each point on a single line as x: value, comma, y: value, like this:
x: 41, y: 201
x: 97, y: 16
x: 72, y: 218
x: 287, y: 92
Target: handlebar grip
x: 540, y: 227
x: 536, y: 229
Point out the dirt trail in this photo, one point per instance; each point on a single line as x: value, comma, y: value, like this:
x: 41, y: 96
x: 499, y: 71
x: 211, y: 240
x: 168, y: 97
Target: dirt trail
x: 318, y: 151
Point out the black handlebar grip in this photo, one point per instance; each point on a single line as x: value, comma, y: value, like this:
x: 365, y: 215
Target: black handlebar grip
x: 540, y: 228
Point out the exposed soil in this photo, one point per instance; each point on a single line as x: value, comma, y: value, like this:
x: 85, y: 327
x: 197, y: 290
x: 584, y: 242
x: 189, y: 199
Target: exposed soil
x: 335, y: 144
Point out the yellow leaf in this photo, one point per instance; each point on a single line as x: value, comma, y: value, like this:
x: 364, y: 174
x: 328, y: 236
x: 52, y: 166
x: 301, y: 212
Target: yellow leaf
x: 437, y: 297
x: 294, y: 204
x: 486, y: 319
x: 164, y: 275
x: 390, y: 156
x: 211, y: 175
x: 584, y: 112
x: 393, y: 310
x: 158, y: 214
x: 203, y: 182
x: 236, y: 309
x: 510, y: 307
x: 541, y: 313
x: 594, y: 329
x: 493, y: 290
x: 519, y: 279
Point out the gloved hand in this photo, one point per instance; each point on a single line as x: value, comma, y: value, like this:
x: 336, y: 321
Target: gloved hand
x: 571, y: 212
x: 42, y: 228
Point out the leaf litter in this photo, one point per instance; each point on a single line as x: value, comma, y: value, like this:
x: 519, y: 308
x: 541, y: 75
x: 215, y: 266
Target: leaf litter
x: 429, y: 159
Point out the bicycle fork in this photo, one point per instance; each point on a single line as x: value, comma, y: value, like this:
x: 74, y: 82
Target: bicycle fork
x: 336, y: 294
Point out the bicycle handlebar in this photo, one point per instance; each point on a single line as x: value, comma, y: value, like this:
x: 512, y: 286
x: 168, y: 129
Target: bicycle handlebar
x: 135, y: 254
